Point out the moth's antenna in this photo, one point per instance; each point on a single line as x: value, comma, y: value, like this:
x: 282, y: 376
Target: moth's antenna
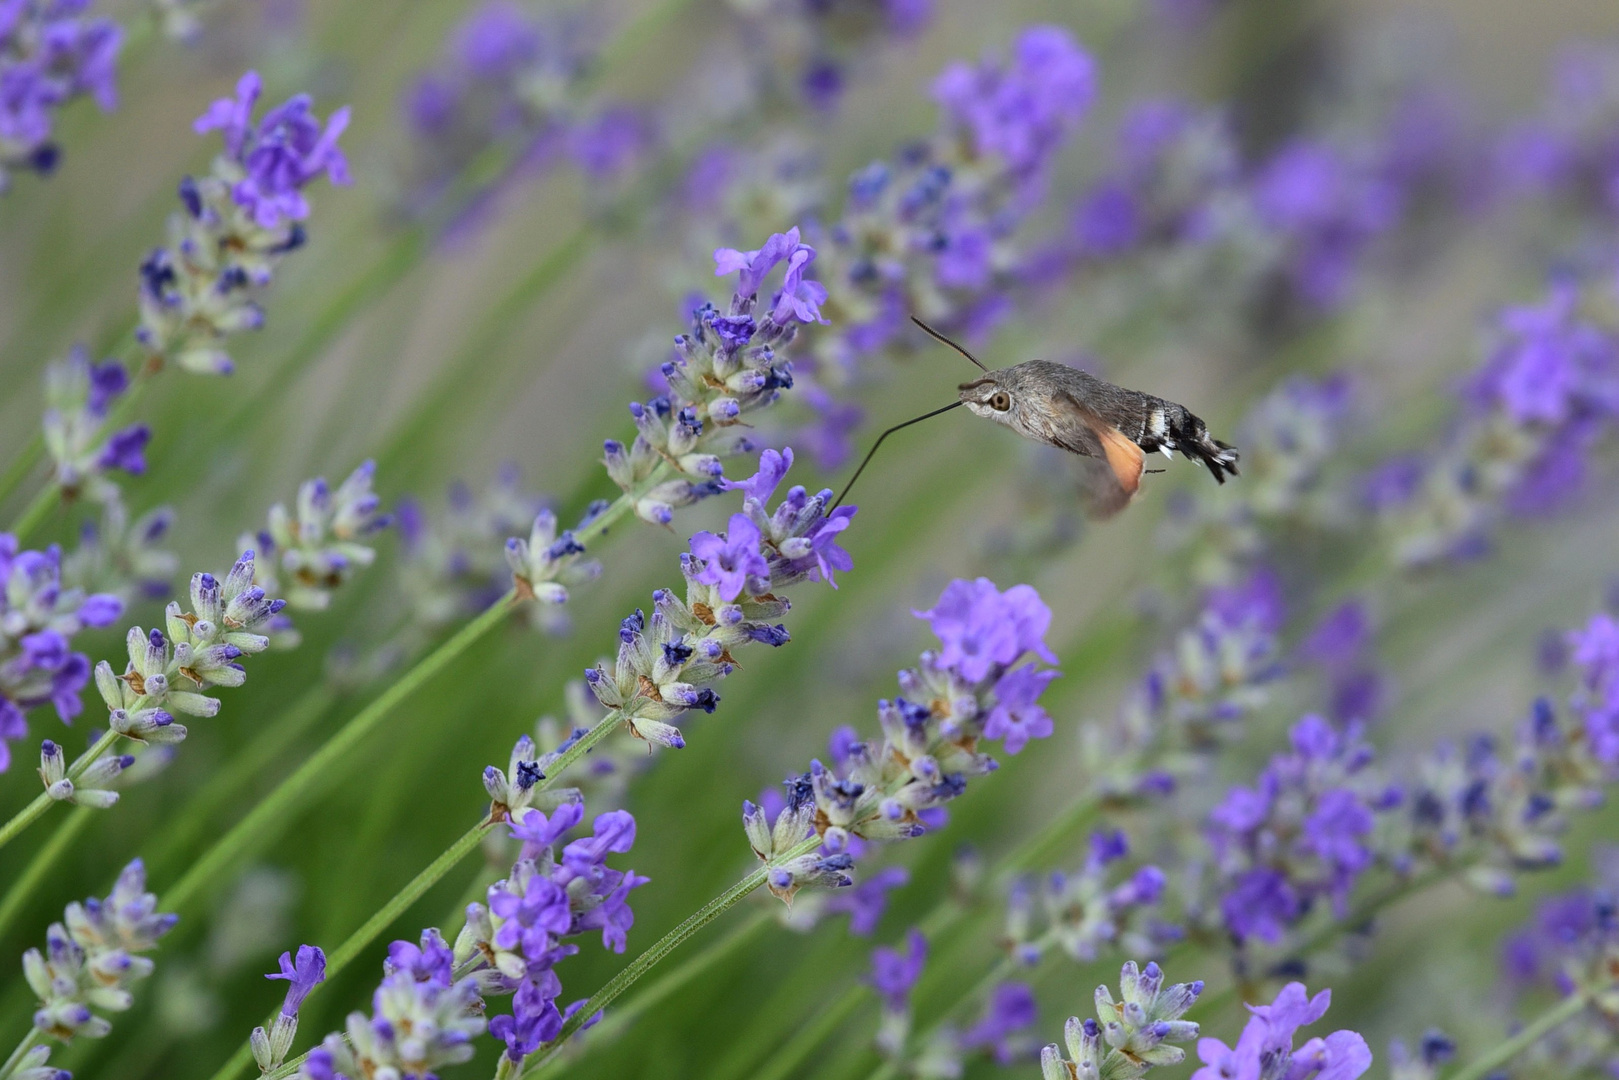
x: 935, y: 335
x: 867, y: 459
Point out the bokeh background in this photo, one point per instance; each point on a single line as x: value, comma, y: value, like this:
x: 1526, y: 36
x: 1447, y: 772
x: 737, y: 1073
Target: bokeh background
x: 519, y: 339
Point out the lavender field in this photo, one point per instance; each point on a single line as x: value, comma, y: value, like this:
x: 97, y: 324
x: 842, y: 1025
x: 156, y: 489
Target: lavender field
x: 439, y: 636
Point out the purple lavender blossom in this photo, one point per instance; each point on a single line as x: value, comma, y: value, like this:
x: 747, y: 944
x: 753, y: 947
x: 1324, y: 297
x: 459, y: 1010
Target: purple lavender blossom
x: 302, y: 976
x: 1595, y: 651
x: 1017, y: 716
x: 866, y: 902
x: 732, y: 563
x: 50, y: 53
x: 1551, y: 367
x: 1328, y: 209
x: 981, y: 627
x: 280, y: 155
x: 1021, y: 112
x: 1299, y: 834
x: 1265, y: 1048
x: 894, y: 973
x: 1009, y: 1013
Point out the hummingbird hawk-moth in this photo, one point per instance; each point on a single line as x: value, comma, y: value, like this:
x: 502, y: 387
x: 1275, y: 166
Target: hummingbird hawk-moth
x: 1110, y: 428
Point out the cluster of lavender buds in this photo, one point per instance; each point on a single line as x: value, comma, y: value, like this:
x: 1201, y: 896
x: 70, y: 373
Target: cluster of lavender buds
x: 78, y: 395
x: 1496, y: 811
x: 893, y: 976
x: 546, y: 565
x: 968, y: 691
x: 511, y: 80
x: 90, y: 963
x: 1265, y: 1049
x: 808, y: 51
x: 930, y: 233
x: 666, y: 663
x: 1288, y: 438
x: 453, y: 564
x: 39, y: 617
x: 1133, y: 1034
x: 1082, y: 912
x: 1301, y: 834
x: 729, y: 366
x: 1194, y: 697
x: 237, y: 223
x: 51, y: 51
x: 166, y: 674
x: 317, y: 544
x: 118, y: 556
x: 1547, y: 391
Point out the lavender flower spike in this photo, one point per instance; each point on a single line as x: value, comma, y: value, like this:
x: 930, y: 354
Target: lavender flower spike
x: 236, y: 224
x: 731, y: 364
x: 90, y: 962
x: 50, y: 53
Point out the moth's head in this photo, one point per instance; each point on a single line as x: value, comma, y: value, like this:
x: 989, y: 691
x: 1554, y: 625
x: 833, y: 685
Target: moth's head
x: 1002, y: 396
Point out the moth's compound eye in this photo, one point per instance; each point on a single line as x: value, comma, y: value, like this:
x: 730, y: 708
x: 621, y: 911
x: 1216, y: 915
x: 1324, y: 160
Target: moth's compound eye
x: 1000, y: 401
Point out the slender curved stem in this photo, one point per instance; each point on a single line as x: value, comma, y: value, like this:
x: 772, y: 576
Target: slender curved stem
x: 40, y: 866
x: 615, y: 1023
x: 43, y: 802
x: 372, y: 928
x: 1533, y: 1032
x: 200, y: 811
x: 35, y: 512
x: 660, y: 949
x: 945, y: 915
x: 279, y: 806
x: 29, y: 1041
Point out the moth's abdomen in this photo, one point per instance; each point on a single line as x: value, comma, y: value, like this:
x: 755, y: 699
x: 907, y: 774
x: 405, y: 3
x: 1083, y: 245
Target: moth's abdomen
x: 1168, y: 426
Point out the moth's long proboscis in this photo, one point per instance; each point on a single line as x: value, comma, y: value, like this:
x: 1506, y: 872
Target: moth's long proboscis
x: 867, y: 459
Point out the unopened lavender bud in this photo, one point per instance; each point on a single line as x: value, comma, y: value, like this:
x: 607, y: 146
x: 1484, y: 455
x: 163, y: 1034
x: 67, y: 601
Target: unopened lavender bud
x: 757, y: 829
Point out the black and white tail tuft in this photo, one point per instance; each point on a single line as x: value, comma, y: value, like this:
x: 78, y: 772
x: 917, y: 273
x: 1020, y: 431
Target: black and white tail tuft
x: 1192, y: 438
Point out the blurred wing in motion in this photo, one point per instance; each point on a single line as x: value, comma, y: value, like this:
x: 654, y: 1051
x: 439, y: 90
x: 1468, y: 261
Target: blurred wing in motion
x: 1110, y: 472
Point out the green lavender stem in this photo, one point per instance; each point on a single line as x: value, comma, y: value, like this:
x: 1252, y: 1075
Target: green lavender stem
x: 345, y: 954
x: 29, y: 1041
x: 662, y: 948
x: 43, y: 802
x: 40, y: 866
x: 1537, y: 1029
x: 280, y: 804
x: 201, y: 810
x: 616, y: 1022
x: 946, y: 914
x: 451, y: 857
